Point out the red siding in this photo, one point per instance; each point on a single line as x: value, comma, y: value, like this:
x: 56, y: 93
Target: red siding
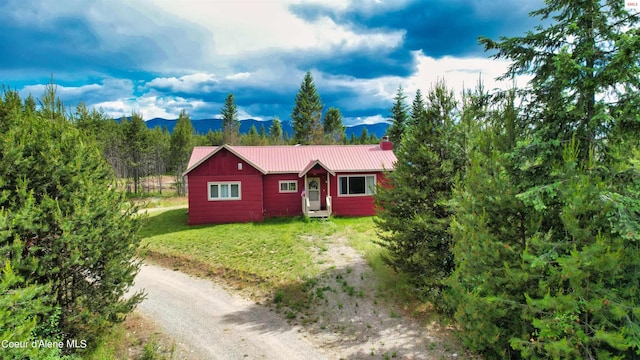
x: 282, y: 204
x: 352, y: 205
x: 261, y: 193
x: 223, y: 166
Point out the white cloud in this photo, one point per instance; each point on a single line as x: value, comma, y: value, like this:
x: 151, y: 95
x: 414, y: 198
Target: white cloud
x: 187, y: 83
x: 89, y: 93
x: 238, y: 76
x: 351, y: 121
x: 149, y: 107
x: 458, y: 73
x: 241, y: 27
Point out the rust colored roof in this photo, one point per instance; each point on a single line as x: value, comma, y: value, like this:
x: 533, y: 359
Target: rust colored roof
x: 295, y: 159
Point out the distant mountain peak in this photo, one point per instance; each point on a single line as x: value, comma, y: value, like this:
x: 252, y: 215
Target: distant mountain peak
x: 202, y: 126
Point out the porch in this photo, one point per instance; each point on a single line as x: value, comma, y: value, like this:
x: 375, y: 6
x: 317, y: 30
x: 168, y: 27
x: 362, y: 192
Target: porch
x: 308, y: 212
x: 316, y: 198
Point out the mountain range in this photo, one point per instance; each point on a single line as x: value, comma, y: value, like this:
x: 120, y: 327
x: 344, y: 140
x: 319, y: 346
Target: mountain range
x: 202, y: 126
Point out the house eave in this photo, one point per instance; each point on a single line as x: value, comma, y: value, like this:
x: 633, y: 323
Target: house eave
x: 230, y: 149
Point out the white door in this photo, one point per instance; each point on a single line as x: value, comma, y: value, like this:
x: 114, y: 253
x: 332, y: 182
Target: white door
x: 313, y: 193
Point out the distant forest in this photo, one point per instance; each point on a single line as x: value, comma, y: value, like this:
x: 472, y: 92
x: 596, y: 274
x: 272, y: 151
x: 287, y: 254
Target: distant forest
x: 202, y: 126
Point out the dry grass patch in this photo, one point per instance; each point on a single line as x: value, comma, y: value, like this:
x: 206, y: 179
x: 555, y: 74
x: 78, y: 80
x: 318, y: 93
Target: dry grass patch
x: 138, y: 337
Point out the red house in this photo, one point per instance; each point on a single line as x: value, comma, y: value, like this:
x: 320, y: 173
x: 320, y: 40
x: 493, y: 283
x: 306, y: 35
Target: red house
x: 248, y: 183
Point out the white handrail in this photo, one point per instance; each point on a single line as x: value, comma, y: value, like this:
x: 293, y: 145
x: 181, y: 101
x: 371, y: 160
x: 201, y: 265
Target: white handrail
x: 305, y: 205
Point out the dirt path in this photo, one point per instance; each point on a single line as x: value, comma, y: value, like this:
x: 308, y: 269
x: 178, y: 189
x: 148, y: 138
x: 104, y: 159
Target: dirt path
x: 351, y: 320
x: 210, y: 323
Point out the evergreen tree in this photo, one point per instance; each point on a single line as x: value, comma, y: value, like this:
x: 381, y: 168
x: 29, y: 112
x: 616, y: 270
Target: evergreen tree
x: 415, y: 214
x: 307, y: 112
x: 352, y: 139
x: 399, y: 118
x: 112, y: 142
x: 51, y: 107
x: 253, y: 131
x: 418, y: 112
x: 69, y: 240
x: 364, y: 136
x: 160, y: 152
x: 275, y: 132
x: 252, y: 138
x: 263, y: 133
x: 212, y: 138
x: 333, y: 128
x: 10, y: 108
x: 230, y: 122
x: 547, y: 232
x: 181, y: 145
x: 136, y: 140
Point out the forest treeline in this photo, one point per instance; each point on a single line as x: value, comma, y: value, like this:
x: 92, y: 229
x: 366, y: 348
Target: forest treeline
x: 517, y: 213
x: 136, y: 152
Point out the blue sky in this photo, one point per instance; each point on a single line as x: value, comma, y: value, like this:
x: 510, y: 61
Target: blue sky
x: 159, y: 57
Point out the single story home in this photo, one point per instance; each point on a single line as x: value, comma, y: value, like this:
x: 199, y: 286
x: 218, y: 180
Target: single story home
x: 248, y: 183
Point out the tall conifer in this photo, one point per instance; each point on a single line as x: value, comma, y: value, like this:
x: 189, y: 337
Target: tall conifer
x: 546, y: 229
x: 399, y: 118
x: 230, y: 122
x: 415, y: 215
x: 306, y: 114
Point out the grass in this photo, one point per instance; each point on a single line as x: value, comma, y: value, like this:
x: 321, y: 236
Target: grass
x: 135, y: 338
x: 158, y: 201
x: 275, y: 252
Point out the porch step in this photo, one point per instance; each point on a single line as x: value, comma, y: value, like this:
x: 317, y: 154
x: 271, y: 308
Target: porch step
x: 318, y: 214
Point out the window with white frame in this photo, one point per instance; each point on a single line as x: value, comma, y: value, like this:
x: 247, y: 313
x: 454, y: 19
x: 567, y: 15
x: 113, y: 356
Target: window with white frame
x: 356, y: 185
x: 288, y: 186
x: 224, y: 191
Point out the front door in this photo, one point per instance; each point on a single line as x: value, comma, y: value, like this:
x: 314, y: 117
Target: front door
x: 313, y: 193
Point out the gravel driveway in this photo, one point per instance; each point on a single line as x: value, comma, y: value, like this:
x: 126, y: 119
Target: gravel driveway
x: 208, y: 322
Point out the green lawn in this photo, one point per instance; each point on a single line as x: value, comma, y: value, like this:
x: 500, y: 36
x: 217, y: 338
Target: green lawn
x: 274, y: 252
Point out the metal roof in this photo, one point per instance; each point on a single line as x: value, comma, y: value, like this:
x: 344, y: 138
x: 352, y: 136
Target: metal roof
x: 295, y: 159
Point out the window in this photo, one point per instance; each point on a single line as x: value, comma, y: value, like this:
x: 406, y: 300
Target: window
x: 356, y: 185
x: 288, y: 186
x: 224, y: 191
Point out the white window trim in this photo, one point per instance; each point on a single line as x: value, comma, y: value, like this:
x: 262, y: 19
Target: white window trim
x: 224, y: 183
x: 287, y: 182
x: 373, y: 191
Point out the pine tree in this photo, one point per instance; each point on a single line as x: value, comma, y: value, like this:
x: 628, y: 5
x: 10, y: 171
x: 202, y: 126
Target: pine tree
x: 333, y: 128
x: 180, y: 147
x: 489, y: 232
x: 213, y: 138
x: 418, y: 111
x: 399, y: 118
x: 306, y: 114
x: 275, y: 132
x: 160, y: 152
x: 230, y: 122
x: 64, y: 229
x: 136, y: 141
x: 547, y: 232
x: 364, y: 136
x: 51, y: 107
x: 252, y: 138
x: 415, y: 214
x: 263, y: 133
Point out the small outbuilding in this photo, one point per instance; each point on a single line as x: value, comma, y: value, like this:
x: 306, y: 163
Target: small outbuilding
x: 248, y: 183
